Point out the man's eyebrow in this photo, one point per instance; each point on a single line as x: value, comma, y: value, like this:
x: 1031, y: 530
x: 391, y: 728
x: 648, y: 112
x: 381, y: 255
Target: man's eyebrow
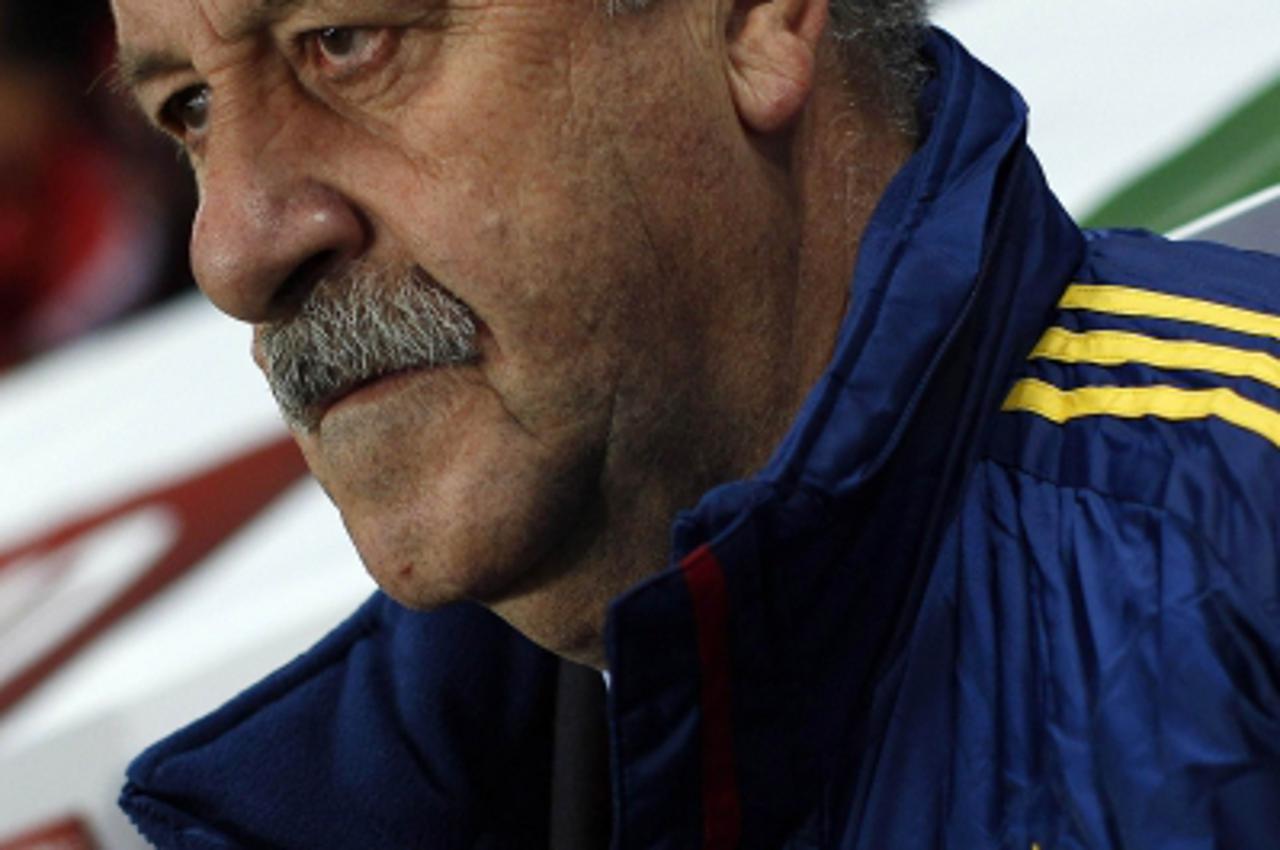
x: 135, y: 68
x: 261, y: 14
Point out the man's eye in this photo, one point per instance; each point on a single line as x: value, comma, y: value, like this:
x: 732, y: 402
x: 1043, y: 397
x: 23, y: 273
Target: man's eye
x: 187, y: 112
x: 344, y: 52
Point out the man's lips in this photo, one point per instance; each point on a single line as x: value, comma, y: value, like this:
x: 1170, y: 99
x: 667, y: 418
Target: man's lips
x: 367, y: 389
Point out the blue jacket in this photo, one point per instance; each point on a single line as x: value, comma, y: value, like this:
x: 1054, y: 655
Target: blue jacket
x: 999, y: 587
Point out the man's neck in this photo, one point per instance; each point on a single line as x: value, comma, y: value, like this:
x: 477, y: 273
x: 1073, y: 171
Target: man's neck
x: 848, y: 148
x: 777, y: 328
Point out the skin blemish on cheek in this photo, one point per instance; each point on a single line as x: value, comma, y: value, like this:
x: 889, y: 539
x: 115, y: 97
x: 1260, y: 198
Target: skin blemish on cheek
x: 495, y: 223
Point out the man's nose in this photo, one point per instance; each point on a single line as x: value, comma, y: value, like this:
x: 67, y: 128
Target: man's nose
x: 264, y: 235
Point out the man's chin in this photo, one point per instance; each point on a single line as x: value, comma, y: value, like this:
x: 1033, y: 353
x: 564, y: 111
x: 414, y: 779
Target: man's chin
x: 447, y: 497
x: 426, y: 578
x: 430, y: 552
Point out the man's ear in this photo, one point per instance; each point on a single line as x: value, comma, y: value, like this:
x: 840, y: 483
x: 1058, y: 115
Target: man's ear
x: 772, y: 53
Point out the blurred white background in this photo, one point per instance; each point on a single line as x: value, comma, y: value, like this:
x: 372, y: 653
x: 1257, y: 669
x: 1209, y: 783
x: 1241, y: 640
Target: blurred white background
x: 1116, y: 85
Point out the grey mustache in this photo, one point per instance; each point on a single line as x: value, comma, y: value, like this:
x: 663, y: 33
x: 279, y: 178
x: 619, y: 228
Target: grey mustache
x: 370, y: 320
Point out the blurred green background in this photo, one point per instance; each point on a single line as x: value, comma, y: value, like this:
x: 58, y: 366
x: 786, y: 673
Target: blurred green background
x: 1237, y: 157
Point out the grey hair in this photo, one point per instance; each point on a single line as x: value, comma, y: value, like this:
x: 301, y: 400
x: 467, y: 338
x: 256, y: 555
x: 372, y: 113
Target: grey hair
x: 892, y: 32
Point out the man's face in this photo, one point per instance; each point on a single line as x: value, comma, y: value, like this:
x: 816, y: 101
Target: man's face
x: 548, y: 167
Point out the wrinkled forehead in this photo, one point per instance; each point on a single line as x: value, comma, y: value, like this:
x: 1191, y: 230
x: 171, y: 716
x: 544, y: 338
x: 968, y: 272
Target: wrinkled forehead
x: 160, y: 36
x: 143, y: 23
x: 228, y: 18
